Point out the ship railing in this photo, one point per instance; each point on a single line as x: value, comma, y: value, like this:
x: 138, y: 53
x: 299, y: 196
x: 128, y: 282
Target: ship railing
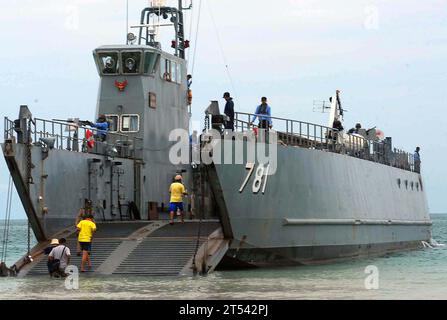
x: 313, y: 136
x: 292, y: 132
x: 306, y: 134
x: 8, y: 127
x: 72, y: 136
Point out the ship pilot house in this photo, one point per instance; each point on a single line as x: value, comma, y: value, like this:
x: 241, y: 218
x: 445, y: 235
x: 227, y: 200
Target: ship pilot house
x: 143, y: 93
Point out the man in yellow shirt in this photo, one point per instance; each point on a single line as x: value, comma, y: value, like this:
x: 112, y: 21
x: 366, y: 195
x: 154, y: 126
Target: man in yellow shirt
x: 83, y: 213
x: 86, y: 228
x: 177, y: 191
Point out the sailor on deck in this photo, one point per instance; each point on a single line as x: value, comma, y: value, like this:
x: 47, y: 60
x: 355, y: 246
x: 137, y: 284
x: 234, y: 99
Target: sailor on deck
x: 358, y: 126
x: 102, y: 127
x: 264, y: 113
x: 338, y: 126
x: 189, y: 83
x: 417, y: 160
x: 229, y: 111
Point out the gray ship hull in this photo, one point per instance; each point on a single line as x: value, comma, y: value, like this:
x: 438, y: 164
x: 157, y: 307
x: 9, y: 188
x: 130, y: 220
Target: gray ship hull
x: 321, y: 206
x: 318, y: 206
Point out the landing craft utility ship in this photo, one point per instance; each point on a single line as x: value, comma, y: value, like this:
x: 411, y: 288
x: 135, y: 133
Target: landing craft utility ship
x: 333, y: 195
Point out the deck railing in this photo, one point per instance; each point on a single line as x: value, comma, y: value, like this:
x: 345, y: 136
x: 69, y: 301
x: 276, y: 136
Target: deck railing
x: 8, y: 127
x: 75, y: 137
x: 313, y: 136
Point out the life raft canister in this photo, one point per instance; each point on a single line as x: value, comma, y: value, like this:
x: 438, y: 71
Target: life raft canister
x: 90, y: 139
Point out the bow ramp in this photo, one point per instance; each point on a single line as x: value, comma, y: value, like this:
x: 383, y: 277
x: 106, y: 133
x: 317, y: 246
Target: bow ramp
x: 147, y: 248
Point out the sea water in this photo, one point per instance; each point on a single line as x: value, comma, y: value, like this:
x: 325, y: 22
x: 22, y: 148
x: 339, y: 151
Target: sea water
x: 418, y: 274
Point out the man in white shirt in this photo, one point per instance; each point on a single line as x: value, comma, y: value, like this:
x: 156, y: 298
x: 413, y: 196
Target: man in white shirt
x: 61, y: 253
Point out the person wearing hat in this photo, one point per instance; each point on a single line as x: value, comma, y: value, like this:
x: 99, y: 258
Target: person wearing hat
x: 229, y: 111
x: 53, y: 244
x: 102, y: 127
x: 355, y: 130
x: 59, y: 258
x: 189, y: 80
x: 189, y: 84
x: 177, y: 191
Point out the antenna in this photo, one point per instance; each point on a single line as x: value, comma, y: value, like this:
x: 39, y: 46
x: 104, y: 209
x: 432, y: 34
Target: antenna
x: 322, y: 106
x: 127, y: 21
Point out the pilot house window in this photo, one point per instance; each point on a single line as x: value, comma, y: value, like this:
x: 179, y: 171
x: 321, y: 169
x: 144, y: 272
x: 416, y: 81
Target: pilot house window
x: 131, y: 62
x: 130, y: 123
x: 165, y: 67
x: 179, y: 73
x: 173, y: 71
x: 150, y: 62
x: 108, y: 62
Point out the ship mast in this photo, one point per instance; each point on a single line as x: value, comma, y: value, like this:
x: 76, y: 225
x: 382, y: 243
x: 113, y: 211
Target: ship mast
x: 175, y: 15
x: 336, y: 110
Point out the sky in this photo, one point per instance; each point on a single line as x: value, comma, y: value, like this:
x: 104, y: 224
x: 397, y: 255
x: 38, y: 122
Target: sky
x: 388, y: 58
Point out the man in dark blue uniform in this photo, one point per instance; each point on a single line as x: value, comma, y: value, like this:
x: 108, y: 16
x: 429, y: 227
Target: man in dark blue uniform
x: 229, y: 111
x: 102, y: 127
x: 417, y: 160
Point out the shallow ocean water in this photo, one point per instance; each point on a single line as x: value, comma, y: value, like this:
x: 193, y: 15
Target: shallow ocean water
x: 418, y: 274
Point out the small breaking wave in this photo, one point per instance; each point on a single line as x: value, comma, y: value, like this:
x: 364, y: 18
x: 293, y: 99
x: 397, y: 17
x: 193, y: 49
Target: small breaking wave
x: 432, y: 244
